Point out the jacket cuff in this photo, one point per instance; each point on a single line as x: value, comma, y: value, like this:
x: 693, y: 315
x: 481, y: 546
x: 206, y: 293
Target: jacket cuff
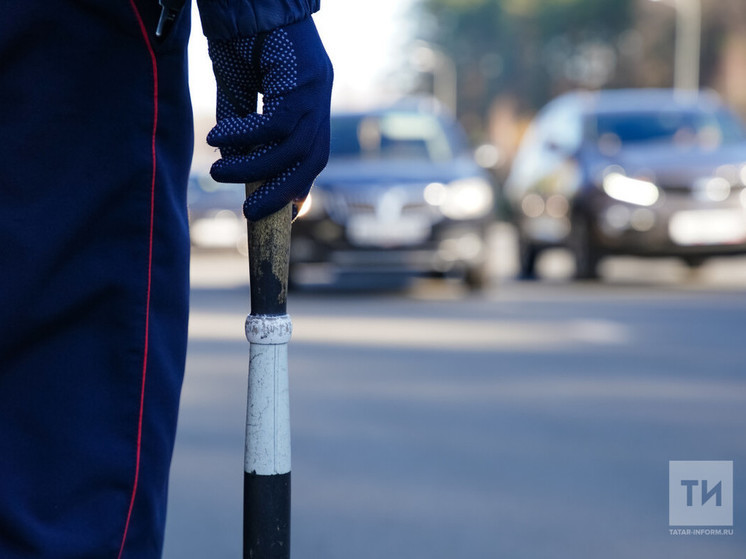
x: 231, y: 19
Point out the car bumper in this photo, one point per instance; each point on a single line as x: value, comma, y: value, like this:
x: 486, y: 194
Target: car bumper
x: 448, y: 247
x: 679, y: 225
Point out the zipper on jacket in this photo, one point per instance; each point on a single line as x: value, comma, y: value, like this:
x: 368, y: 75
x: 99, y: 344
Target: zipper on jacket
x: 170, y: 10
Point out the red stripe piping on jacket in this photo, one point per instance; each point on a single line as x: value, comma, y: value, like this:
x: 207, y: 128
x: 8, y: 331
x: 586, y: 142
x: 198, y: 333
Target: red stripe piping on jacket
x: 154, y: 64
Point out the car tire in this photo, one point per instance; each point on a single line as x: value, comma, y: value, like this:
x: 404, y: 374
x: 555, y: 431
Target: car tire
x: 694, y: 262
x: 585, y: 250
x: 476, y: 277
x: 528, y: 254
x: 293, y: 284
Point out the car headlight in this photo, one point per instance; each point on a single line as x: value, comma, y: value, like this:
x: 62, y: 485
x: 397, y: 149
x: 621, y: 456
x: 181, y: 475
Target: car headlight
x: 461, y: 199
x: 633, y: 191
x: 313, y: 206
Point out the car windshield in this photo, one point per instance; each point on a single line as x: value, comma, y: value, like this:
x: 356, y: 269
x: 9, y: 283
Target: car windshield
x: 681, y: 128
x: 391, y: 136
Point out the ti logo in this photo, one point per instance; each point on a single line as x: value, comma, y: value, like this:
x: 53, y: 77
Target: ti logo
x: 700, y: 493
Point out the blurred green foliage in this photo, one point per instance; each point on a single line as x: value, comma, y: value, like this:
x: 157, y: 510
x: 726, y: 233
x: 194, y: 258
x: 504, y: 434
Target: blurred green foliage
x: 512, y: 56
x: 528, y: 49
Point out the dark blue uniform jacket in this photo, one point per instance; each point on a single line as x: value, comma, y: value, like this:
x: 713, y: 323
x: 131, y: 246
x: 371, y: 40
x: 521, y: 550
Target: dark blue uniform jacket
x: 95, y: 149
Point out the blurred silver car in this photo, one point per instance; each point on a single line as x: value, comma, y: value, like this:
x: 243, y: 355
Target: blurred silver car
x: 640, y: 172
x: 401, y: 194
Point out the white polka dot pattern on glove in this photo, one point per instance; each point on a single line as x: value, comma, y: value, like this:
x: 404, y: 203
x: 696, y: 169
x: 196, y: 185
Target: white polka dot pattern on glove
x: 286, y: 145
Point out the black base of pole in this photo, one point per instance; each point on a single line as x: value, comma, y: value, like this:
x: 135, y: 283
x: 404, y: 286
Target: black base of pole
x: 266, y: 516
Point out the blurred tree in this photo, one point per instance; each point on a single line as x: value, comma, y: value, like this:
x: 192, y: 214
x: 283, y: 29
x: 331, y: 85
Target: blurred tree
x: 512, y: 56
x: 527, y: 49
x: 723, y: 47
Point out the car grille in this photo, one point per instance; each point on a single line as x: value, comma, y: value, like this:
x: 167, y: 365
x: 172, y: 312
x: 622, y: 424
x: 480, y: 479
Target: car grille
x: 690, y: 191
x: 676, y: 189
x: 396, y: 201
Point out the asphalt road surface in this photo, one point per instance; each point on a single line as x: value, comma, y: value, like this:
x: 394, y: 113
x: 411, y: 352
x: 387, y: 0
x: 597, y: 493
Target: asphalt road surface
x: 534, y: 420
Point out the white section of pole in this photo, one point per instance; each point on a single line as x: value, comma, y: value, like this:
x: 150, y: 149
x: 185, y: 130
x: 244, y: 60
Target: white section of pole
x: 267, y: 449
x: 268, y: 329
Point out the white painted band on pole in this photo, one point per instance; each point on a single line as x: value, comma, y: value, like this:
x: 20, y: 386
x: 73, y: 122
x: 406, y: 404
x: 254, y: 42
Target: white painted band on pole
x: 268, y: 329
x: 268, y: 411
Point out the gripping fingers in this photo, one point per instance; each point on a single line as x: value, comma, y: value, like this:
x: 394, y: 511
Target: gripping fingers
x: 270, y: 196
x: 292, y: 184
x: 255, y: 128
x: 271, y: 159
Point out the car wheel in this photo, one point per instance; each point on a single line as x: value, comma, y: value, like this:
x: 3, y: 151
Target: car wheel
x: 694, y: 262
x: 584, y: 249
x: 293, y: 284
x: 476, y: 277
x: 528, y: 254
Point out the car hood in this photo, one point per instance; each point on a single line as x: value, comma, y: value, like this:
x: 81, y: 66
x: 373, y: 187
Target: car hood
x: 231, y: 199
x: 673, y: 166
x: 355, y: 173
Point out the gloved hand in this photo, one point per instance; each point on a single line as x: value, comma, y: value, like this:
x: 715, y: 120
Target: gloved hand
x: 287, y: 145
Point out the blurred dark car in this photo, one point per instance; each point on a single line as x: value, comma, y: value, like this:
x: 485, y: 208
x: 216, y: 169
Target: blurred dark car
x: 215, y: 214
x: 638, y: 172
x: 401, y: 194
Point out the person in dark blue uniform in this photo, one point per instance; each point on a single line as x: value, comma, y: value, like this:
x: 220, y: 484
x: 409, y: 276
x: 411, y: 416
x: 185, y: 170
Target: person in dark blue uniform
x: 94, y: 158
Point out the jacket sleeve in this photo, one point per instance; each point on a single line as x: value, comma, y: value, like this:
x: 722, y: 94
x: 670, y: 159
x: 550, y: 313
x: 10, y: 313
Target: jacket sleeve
x: 229, y: 19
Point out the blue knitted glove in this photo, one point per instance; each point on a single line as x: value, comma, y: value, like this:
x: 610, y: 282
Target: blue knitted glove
x: 287, y: 145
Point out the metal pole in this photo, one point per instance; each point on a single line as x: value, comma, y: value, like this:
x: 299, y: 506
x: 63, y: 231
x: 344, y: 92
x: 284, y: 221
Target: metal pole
x: 686, y: 66
x: 444, y: 72
x: 267, y: 451
x: 687, y: 48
